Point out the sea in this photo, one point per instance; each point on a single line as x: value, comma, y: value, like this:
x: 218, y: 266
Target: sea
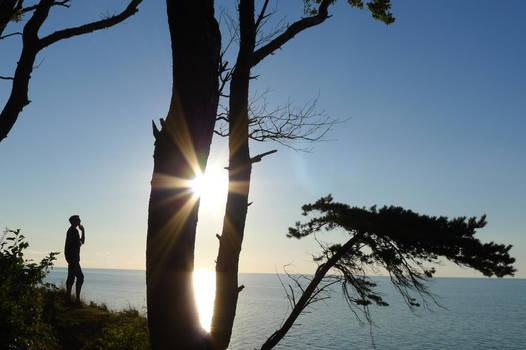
x: 474, y: 313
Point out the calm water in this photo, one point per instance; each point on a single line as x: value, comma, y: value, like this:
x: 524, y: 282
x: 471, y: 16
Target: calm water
x: 481, y: 314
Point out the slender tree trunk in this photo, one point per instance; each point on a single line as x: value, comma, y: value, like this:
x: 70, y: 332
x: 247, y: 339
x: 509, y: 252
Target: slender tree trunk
x: 32, y: 44
x: 18, y: 98
x: 239, y: 183
x: 303, y: 302
x: 181, y: 149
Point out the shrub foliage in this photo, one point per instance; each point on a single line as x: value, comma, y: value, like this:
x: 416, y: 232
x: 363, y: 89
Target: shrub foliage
x: 22, y: 292
x: 36, y: 315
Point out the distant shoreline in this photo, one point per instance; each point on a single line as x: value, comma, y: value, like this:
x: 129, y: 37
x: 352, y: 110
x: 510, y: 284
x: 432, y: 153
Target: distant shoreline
x: 282, y: 274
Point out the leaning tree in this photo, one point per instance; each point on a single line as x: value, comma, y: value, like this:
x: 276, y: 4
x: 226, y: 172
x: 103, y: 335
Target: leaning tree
x: 393, y: 240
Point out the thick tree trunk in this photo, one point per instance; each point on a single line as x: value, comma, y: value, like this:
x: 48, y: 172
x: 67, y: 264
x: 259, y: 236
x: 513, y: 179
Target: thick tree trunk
x: 239, y: 183
x: 181, y: 149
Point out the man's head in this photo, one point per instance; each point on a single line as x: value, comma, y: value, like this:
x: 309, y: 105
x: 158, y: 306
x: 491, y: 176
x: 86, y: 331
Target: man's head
x: 74, y: 220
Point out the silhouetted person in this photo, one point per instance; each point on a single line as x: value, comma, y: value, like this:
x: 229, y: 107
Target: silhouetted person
x: 72, y: 253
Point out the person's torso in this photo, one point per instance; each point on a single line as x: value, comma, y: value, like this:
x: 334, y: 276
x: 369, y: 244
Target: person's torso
x: 72, y: 248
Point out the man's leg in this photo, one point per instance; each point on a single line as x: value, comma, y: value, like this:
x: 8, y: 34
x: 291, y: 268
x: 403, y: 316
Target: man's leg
x: 78, y: 284
x: 70, y: 279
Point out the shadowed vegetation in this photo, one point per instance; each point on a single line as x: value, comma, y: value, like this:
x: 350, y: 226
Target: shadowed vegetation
x: 37, y: 315
x: 93, y: 326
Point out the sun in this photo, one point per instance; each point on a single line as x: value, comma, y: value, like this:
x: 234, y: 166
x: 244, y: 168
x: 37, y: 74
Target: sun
x: 198, y: 184
x: 204, y: 291
x: 211, y: 187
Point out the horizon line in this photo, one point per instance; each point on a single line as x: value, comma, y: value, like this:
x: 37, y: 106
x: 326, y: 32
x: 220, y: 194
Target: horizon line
x: 308, y: 274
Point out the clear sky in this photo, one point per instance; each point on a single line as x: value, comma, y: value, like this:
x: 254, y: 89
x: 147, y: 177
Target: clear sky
x: 435, y: 107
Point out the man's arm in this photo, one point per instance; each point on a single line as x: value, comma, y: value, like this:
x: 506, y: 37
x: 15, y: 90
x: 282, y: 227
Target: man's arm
x: 83, y: 236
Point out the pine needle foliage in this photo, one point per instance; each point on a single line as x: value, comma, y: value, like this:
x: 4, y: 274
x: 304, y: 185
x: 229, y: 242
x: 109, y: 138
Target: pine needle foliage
x: 401, y: 242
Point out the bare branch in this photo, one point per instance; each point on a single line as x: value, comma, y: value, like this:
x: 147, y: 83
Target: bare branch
x: 233, y: 31
x: 225, y: 74
x: 263, y: 37
x: 11, y: 34
x: 266, y: 37
x: 130, y: 10
x: 225, y: 71
x: 156, y: 131
x: 34, y: 7
x: 291, y: 31
x: 289, y: 292
x: 222, y: 129
x: 6, y: 78
x: 221, y: 133
x: 288, y: 124
x: 262, y: 14
x: 232, y: 27
x: 37, y: 66
x: 260, y: 156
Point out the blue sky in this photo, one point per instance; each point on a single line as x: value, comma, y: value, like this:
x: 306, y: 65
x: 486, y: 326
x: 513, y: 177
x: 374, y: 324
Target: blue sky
x: 434, y: 108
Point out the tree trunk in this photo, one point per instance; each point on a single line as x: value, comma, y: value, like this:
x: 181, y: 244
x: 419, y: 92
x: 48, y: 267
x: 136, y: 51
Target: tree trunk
x: 239, y: 182
x: 18, y: 98
x: 304, y: 300
x: 181, y: 150
x: 32, y: 44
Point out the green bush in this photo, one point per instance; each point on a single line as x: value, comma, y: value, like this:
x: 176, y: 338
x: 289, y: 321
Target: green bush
x: 128, y: 331
x: 22, y: 293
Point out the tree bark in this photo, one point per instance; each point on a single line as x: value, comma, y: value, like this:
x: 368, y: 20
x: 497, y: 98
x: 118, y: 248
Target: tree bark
x: 181, y: 150
x: 239, y: 183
